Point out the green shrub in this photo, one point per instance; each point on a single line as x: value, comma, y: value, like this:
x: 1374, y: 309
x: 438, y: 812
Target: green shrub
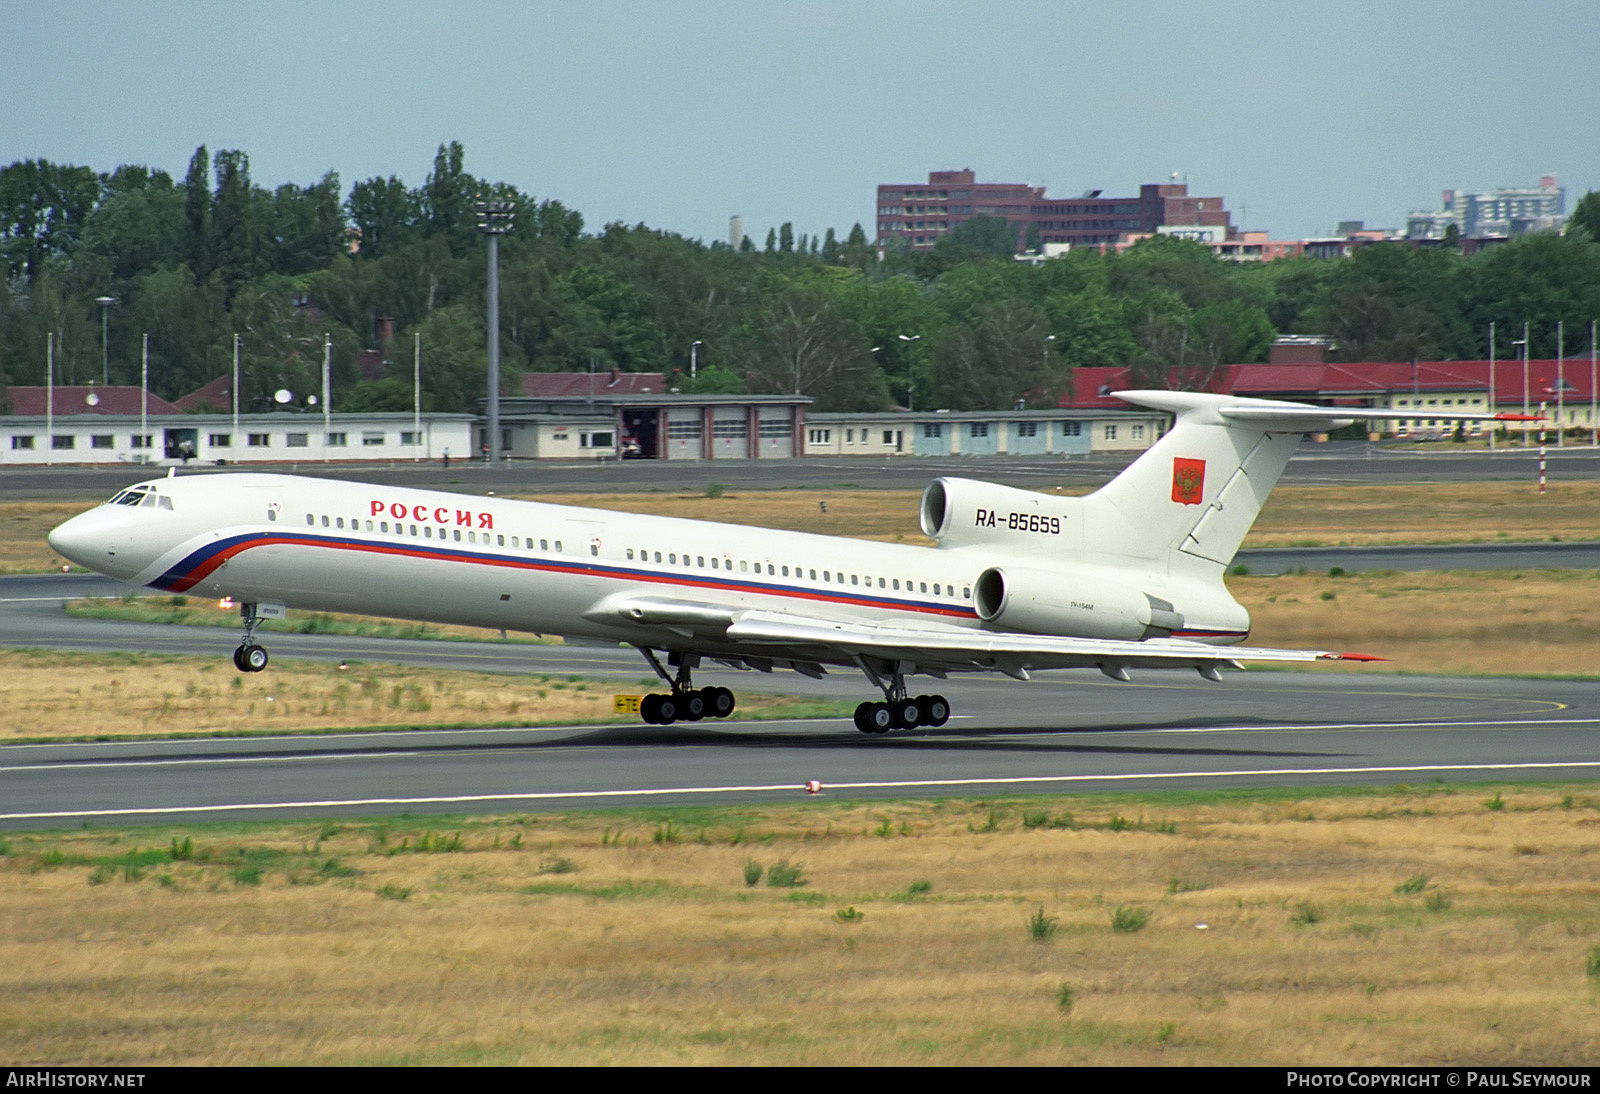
x: 785, y: 875
x: 1128, y: 918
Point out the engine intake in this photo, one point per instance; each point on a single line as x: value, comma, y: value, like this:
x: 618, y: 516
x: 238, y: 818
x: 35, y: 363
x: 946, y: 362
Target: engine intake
x: 1038, y: 602
x: 959, y: 512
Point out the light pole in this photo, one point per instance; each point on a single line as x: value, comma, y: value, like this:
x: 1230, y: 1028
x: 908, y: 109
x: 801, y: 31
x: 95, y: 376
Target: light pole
x: 495, y: 219
x: 1493, y: 402
x: 1523, y: 342
x: 911, y: 368
x: 694, y: 358
x: 105, y: 303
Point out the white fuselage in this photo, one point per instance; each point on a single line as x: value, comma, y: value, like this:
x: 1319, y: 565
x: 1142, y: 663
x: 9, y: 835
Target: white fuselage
x: 505, y: 564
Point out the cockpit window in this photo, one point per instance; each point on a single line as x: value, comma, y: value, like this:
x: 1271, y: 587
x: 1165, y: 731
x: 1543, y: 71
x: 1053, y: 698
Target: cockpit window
x: 142, y: 495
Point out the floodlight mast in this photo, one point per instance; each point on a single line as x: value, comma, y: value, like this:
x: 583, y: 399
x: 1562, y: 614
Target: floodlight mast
x: 495, y: 219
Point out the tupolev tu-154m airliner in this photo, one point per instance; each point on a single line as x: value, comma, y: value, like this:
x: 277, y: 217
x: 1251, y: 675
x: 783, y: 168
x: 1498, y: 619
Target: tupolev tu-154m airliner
x: 1130, y: 576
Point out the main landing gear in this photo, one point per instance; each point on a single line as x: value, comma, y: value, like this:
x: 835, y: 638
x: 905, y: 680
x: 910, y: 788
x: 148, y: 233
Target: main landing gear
x: 249, y: 657
x: 899, y: 710
x: 684, y: 702
x: 903, y: 713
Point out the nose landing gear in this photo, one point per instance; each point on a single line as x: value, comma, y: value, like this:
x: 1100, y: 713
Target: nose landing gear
x: 249, y: 657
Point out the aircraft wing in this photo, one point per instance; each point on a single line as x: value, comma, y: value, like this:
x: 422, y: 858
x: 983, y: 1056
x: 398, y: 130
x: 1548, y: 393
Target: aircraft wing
x: 767, y: 636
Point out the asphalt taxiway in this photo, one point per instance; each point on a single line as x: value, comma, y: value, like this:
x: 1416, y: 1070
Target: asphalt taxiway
x: 1062, y: 731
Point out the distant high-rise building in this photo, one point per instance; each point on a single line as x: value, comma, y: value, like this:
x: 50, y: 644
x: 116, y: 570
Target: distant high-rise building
x: 917, y: 215
x: 1509, y: 211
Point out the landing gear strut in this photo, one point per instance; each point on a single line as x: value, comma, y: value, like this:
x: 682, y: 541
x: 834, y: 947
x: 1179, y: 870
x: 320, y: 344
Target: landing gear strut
x: 249, y: 657
x: 898, y: 710
x: 684, y: 702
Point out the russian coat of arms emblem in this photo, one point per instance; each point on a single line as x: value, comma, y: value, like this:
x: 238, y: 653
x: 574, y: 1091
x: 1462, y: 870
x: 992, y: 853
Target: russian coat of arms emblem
x: 1188, y: 480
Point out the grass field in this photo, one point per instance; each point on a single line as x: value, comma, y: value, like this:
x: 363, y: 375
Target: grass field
x: 1426, y: 925
x: 1421, y: 926
x: 1294, y: 515
x: 48, y: 695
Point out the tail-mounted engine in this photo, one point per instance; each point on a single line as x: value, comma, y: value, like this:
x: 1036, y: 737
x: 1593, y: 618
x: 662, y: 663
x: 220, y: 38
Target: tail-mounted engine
x: 959, y: 512
x: 1016, y: 598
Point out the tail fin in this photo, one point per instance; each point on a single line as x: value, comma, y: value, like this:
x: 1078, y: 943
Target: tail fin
x: 1187, y: 503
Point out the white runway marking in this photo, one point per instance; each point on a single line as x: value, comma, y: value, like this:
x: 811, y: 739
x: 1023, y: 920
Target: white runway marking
x: 799, y: 788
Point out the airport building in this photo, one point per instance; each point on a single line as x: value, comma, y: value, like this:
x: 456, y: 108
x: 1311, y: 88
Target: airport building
x: 122, y: 425
x: 1564, y: 391
x: 984, y: 432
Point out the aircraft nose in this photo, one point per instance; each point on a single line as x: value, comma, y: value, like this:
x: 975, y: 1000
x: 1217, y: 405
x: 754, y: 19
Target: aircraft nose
x: 95, y: 540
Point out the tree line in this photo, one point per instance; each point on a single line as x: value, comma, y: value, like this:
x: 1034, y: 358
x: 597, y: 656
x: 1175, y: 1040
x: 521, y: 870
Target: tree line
x: 198, y: 262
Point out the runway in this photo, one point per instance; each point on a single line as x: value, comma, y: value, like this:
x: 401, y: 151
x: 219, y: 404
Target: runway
x: 1063, y: 731
x: 1166, y: 733
x: 1060, y: 732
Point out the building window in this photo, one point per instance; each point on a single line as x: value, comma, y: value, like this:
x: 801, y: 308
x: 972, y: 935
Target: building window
x: 220, y: 440
x: 683, y: 430
x: 1027, y: 429
x: 260, y: 440
x: 139, y: 441
x: 101, y: 440
x: 1138, y: 432
x: 410, y: 437
x: 336, y: 440
x: 63, y: 440
x: 978, y: 429
x: 370, y: 439
x: 730, y: 428
x: 1111, y: 432
x: 1071, y: 429
x: 933, y: 430
x: 297, y: 440
x: 22, y: 443
x: 820, y: 436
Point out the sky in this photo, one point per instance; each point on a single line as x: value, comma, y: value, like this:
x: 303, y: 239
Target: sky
x: 681, y: 113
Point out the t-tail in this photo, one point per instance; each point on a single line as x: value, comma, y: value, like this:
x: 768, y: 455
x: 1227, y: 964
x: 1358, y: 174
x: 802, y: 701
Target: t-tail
x: 1188, y: 502
x: 1181, y: 510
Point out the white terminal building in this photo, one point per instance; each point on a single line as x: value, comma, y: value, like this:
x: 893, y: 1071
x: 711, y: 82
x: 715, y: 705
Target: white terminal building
x: 122, y: 425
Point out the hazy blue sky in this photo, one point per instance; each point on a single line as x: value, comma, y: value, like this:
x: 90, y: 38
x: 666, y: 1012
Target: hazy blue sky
x: 679, y: 114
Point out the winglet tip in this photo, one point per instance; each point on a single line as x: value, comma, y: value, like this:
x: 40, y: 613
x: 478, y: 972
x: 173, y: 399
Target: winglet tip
x: 1351, y: 657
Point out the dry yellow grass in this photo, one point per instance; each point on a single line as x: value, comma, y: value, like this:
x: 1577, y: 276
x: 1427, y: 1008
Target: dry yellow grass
x: 1331, y: 515
x: 23, y: 526
x: 1492, y: 622
x: 1281, y: 930
x: 1427, y: 513
x: 68, y: 696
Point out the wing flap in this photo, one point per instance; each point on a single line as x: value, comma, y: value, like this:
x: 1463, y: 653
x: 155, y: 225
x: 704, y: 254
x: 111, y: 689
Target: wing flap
x: 995, y: 649
x: 789, y: 639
